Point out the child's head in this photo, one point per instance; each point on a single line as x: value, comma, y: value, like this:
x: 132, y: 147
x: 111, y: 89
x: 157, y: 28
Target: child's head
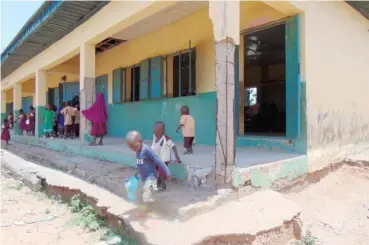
x: 48, y: 107
x: 77, y: 106
x: 69, y: 103
x: 21, y: 111
x: 134, y: 141
x: 159, y: 129
x: 31, y: 108
x: 5, y: 120
x: 185, y: 110
x: 10, y: 114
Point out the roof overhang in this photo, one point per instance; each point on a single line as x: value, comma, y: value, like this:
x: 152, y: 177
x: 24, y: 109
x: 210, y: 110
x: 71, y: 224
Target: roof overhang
x: 52, y: 21
x: 361, y: 6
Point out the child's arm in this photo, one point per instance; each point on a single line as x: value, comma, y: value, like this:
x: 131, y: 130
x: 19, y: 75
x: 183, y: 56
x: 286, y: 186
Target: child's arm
x: 156, y: 159
x: 176, y: 154
x: 181, y: 123
x: 174, y: 148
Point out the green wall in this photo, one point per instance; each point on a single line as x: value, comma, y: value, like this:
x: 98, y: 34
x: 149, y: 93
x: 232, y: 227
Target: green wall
x: 142, y: 115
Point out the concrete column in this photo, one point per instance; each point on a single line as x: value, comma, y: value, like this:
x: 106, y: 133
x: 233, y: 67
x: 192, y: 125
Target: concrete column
x: 17, y: 105
x: 87, y: 86
x: 3, y: 106
x: 40, y: 100
x: 225, y: 16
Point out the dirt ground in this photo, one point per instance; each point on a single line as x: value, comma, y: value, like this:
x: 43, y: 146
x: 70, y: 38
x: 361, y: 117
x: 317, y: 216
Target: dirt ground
x: 336, y: 210
x: 29, y: 217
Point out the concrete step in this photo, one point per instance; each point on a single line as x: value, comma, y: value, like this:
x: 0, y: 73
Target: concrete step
x: 264, y: 217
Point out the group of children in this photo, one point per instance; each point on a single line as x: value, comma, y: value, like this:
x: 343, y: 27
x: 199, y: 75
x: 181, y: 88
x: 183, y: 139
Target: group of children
x: 152, y: 162
x: 63, y: 122
x: 26, y: 124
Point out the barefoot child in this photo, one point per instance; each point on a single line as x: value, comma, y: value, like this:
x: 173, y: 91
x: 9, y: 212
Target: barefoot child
x: 187, y: 124
x: 162, y: 146
x: 5, y: 135
x: 49, y: 116
x: 146, y: 164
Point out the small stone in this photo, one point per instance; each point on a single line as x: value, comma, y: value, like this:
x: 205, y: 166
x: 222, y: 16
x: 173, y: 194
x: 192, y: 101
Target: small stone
x: 47, y: 211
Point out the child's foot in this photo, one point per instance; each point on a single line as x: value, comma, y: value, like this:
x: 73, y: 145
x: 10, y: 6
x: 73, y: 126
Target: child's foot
x: 51, y: 137
x: 92, y: 144
x: 101, y: 143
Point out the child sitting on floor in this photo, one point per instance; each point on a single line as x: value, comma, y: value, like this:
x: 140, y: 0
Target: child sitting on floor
x: 146, y: 161
x: 162, y: 146
x: 187, y: 124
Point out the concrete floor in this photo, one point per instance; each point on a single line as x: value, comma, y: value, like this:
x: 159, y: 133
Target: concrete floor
x: 203, y: 156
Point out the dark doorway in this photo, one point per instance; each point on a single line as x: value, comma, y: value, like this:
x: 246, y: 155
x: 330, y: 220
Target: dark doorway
x: 181, y: 76
x: 265, y: 82
x: 135, y: 83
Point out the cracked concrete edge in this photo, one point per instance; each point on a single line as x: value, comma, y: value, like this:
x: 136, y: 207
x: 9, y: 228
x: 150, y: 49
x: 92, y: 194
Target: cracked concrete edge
x: 31, y: 180
x: 288, y: 230
x: 39, y: 183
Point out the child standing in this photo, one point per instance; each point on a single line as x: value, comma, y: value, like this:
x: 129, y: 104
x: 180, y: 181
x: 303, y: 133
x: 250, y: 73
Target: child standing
x: 22, y: 122
x: 162, y: 146
x: 68, y: 113
x: 146, y: 164
x: 60, y: 119
x: 32, y: 121
x: 49, y: 116
x: 5, y: 134
x: 187, y: 124
x: 10, y: 120
x: 77, y: 119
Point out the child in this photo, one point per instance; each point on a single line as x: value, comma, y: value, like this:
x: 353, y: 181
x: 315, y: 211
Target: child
x: 22, y: 122
x: 49, y: 116
x: 146, y: 164
x: 162, y: 146
x: 68, y: 113
x: 77, y: 119
x: 60, y: 119
x: 32, y: 121
x: 10, y: 120
x: 187, y: 123
x: 5, y: 135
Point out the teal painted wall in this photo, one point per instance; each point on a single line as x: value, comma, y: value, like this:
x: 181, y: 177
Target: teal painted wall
x: 3, y: 116
x: 142, y: 115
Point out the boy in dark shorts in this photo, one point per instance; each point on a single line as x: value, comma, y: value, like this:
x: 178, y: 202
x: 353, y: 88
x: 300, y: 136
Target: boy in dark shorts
x: 187, y: 124
x: 146, y: 161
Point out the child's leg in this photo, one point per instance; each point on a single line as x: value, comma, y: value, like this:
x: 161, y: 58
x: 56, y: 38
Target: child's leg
x: 148, y: 186
x: 191, y: 144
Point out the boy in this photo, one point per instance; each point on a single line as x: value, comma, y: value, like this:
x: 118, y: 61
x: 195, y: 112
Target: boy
x: 187, y: 124
x: 68, y: 113
x: 60, y: 119
x: 146, y: 164
x: 162, y: 146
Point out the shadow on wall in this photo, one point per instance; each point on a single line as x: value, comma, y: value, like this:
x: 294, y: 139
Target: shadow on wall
x: 142, y: 115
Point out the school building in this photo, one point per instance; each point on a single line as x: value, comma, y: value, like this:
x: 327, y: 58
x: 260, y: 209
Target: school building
x: 284, y: 83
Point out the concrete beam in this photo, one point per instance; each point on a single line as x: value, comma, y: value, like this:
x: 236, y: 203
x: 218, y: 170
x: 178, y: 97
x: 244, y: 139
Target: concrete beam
x: 87, y: 85
x: 40, y: 100
x: 225, y: 16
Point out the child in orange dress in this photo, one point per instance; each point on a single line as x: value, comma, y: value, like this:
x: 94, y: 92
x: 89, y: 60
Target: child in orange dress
x: 187, y: 124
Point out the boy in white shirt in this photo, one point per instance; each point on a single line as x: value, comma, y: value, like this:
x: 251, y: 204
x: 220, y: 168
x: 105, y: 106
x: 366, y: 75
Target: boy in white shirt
x: 162, y: 146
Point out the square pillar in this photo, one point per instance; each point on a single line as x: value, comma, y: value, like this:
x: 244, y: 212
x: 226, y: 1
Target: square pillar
x: 87, y: 86
x: 3, y: 106
x: 40, y: 100
x: 225, y: 16
x: 17, y: 105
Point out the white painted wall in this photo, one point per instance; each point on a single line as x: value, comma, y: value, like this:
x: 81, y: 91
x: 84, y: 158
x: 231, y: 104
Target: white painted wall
x: 336, y: 43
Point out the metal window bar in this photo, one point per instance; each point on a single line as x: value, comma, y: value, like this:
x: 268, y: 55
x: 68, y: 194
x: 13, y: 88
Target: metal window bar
x: 166, y: 76
x: 179, y: 75
x: 133, y: 71
x: 190, y: 69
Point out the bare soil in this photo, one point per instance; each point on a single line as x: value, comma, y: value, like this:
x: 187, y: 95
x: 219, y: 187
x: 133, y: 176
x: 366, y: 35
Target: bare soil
x: 336, y: 209
x: 29, y: 217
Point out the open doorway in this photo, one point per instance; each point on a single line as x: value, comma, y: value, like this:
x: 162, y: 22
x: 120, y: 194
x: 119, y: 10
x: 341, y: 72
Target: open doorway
x: 265, y: 82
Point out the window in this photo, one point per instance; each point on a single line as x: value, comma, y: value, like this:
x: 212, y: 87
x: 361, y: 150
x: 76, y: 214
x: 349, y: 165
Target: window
x: 184, y: 74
